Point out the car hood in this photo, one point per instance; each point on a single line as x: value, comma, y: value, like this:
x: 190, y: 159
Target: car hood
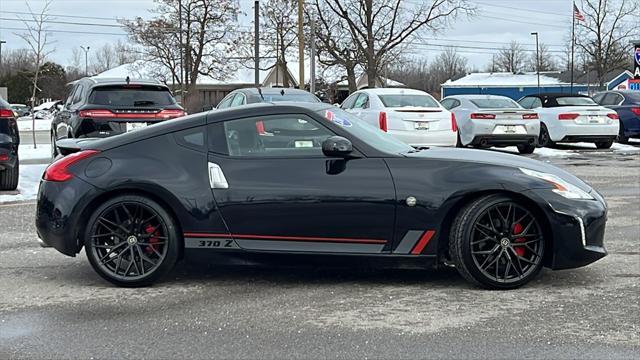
x: 499, y: 159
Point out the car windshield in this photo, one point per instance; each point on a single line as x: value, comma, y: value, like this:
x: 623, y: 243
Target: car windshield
x: 131, y: 96
x: 407, y: 100
x: 495, y: 103
x: 366, y: 132
x: 295, y: 97
x: 575, y: 101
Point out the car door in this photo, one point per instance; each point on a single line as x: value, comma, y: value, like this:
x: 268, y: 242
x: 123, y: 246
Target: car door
x: 287, y: 196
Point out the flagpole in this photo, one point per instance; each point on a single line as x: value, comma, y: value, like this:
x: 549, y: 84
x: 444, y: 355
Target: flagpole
x: 573, y: 40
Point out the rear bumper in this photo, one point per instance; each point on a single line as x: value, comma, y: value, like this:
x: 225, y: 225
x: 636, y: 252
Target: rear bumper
x: 575, y: 132
x: 419, y: 138
x: 504, y: 140
x: 588, y: 138
x: 578, y: 228
x: 59, y: 213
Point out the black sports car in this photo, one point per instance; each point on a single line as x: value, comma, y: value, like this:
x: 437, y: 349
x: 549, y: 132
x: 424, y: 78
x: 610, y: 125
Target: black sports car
x: 208, y: 184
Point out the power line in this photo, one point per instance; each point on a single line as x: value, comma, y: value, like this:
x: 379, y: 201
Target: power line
x: 66, y: 31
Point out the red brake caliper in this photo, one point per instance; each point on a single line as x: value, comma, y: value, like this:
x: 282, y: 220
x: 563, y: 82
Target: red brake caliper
x: 517, y: 229
x: 150, y: 230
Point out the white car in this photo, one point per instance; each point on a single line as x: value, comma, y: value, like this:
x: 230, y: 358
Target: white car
x: 573, y: 118
x: 491, y: 120
x: 412, y: 116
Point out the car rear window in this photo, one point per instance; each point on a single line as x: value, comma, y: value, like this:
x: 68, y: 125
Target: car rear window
x: 495, y: 103
x: 406, y: 100
x: 575, y: 101
x: 132, y: 95
x: 297, y: 97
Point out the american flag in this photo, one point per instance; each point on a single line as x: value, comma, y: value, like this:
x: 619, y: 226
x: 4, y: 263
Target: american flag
x: 577, y: 14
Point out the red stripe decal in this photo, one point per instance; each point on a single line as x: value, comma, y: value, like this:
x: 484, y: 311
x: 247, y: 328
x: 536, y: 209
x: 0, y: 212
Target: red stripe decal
x: 289, y: 238
x: 422, y: 243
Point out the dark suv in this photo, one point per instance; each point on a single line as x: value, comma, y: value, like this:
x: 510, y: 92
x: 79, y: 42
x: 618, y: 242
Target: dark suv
x: 101, y: 107
x: 9, y: 141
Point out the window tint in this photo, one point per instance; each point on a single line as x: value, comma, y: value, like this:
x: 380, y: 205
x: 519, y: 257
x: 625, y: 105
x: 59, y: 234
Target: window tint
x: 348, y: 103
x: 447, y: 103
x: 362, y: 102
x: 413, y: 100
x: 275, y: 136
x: 495, y: 103
x: 238, y: 100
x: 226, y: 101
x: 77, y: 96
x: 191, y: 138
x: 599, y: 97
x: 131, y: 96
x: 72, y: 93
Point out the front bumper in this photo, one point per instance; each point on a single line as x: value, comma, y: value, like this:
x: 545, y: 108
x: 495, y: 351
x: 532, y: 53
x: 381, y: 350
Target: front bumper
x: 577, y: 228
x: 59, y: 213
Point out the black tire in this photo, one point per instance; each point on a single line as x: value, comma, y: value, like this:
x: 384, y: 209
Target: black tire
x: 526, y: 148
x: 604, y: 144
x: 466, y: 247
x: 458, y: 140
x: 106, y: 253
x: 621, y: 138
x: 544, y: 140
x: 9, y: 177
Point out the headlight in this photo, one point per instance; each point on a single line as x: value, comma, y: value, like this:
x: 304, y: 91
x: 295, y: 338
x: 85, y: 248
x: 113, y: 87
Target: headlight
x: 562, y: 187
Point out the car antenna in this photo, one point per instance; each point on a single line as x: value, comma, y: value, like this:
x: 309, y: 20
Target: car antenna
x: 260, y: 92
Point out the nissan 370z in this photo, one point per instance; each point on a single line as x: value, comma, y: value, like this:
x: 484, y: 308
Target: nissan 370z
x: 310, y: 180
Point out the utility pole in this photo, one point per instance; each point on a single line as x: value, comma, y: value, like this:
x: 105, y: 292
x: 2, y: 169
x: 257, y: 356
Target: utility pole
x: 181, y: 52
x: 86, y: 59
x: 1, y: 42
x: 301, y: 42
x: 312, y: 71
x: 537, y: 59
x: 256, y: 36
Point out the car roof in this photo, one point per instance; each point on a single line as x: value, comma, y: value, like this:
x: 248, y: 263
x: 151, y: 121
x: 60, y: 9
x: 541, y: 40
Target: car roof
x: 477, y: 96
x: 393, y: 91
x: 555, y: 95
x: 271, y: 90
x: 100, y: 81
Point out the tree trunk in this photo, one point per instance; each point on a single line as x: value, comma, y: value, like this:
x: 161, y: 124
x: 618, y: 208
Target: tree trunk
x: 351, y: 79
x: 33, y: 104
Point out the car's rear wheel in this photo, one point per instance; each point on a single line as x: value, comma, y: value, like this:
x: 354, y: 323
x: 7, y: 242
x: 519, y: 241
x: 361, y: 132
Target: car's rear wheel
x: 497, y: 242
x: 9, y: 177
x: 544, y: 140
x: 604, y: 144
x: 131, y: 241
x: 458, y: 140
x: 526, y: 148
x: 621, y: 137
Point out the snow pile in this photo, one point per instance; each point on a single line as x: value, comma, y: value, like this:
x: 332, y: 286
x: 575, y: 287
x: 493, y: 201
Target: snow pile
x: 42, y: 152
x: 25, y: 123
x: 30, y: 176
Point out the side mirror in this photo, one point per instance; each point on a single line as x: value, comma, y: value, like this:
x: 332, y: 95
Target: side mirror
x: 337, y: 146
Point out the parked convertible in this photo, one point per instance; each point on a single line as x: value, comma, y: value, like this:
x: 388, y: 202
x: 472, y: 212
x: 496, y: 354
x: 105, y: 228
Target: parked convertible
x: 491, y: 120
x: 572, y: 118
x: 210, y: 184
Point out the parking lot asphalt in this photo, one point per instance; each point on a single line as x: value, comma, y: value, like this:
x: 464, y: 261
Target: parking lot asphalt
x: 52, y: 306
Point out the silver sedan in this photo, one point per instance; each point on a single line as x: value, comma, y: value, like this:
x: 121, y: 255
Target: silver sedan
x: 491, y: 120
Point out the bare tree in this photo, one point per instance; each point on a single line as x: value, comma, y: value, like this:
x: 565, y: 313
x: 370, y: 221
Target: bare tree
x: 605, y: 33
x: 547, y: 60
x: 104, y: 58
x: 280, y: 32
x: 37, y: 37
x: 188, y: 39
x: 511, y: 58
x: 378, y: 28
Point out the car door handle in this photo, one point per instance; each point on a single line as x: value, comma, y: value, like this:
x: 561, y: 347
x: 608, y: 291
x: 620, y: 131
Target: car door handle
x: 216, y: 177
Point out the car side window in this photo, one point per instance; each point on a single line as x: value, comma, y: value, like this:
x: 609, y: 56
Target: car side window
x: 275, y: 136
x: 450, y: 103
x: 535, y: 103
x: 348, y: 103
x: 193, y: 138
x: 599, y: 97
x: 72, y: 93
x: 77, y: 95
x: 613, y: 99
x: 238, y: 100
x: 362, y: 102
x: 226, y: 101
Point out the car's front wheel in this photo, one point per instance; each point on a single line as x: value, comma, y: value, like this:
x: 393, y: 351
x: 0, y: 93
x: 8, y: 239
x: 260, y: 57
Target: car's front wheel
x: 544, y: 139
x: 526, y: 148
x: 497, y: 242
x: 131, y: 241
x: 9, y: 177
x: 604, y: 144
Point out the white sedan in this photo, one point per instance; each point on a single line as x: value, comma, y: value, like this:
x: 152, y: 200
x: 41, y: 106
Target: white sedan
x: 491, y: 120
x: 573, y: 118
x: 412, y: 116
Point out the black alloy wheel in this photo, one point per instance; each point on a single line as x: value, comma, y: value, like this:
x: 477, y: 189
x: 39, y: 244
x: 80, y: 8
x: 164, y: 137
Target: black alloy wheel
x: 131, y: 241
x: 544, y: 140
x: 497, y: 243
x: 622, y: 139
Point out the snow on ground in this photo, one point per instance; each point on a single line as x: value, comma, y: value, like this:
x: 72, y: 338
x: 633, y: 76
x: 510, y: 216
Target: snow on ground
x: 577, y: 149
x: 30, y: 176
x: 25, y: 124
x: 27, y: 152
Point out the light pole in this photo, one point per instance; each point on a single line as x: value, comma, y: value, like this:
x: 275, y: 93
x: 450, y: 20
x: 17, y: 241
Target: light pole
x: 86, y: 59
x: 1, y: 42
x: 537, y: 59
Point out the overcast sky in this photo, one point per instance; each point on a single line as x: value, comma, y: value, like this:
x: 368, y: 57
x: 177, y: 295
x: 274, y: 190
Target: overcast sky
x: 497, y: 23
